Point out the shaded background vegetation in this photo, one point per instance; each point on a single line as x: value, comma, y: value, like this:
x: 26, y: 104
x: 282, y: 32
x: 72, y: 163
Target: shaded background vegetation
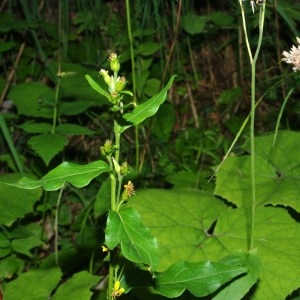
x: 200, y: 41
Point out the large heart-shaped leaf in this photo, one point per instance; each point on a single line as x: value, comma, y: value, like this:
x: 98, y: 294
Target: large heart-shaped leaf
x: 181, y: 221
x: 137, y: 244
x: 77, y: 287
x: 48, y: 145
x: 194, y: 226
x: 33, y: 99
x: 146, y: 109
x: 277, y: 240
x: 25, y: 287
x: 24, y: 245
x: 277, y: 171
x: 77, y: 175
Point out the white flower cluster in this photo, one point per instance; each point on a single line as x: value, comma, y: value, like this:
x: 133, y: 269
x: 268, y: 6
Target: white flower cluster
x: 293, y: 56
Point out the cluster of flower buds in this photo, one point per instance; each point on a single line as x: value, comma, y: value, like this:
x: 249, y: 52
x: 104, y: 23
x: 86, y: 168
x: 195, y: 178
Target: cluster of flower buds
x: 107, y: 148
x: 115, y: 83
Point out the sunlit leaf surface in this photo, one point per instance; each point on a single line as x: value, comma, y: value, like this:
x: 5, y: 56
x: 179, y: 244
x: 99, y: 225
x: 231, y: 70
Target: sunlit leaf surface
x: 183, y: 223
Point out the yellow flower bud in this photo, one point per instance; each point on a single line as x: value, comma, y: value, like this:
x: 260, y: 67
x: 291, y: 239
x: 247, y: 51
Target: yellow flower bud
x: 114, y: 62
x: 107, y: 148
x: 121, y: 82
x: 105, y: 76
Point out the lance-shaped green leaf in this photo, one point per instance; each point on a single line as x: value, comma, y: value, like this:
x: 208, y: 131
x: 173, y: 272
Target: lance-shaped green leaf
x: 146, y: 109
x: 78, y: 175
x: 200, y: 278
x: 138, y: 245
x: 97, y: 87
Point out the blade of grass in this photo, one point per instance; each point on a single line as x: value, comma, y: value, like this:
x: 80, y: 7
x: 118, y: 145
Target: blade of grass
x: 280, y: 114
x: 11, y: 145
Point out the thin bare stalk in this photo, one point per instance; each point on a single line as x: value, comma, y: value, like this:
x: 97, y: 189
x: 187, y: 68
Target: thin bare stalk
x: 253, y: 61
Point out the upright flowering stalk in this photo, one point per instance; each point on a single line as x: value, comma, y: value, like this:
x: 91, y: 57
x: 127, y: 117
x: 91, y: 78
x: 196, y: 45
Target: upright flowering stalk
x: 125, y: 237
x: 253, y: 61
x: 111, y: 150
x: 293, y: 56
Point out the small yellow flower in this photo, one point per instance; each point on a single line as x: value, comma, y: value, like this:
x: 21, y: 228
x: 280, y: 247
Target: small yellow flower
x: 117, y: 291
x: 129, y: 189
x: 104, y: 249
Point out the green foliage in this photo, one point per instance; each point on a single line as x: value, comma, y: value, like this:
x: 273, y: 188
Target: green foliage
x: 77, y: 175
x: 137, y: 244
x: 33, y: 99
x: 146, y: 109
x: 201, y: 279
x: 25, y: 286
x: 47, y: 145
x: 276, y: 173
x: 232, y: 238
x: 20, y: 201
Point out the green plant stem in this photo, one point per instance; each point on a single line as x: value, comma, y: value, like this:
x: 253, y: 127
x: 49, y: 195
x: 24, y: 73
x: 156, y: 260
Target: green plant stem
x: 110, y: 281
x: 55, y: 108
x: 252, y: 122
x: 252, y: 142
x: 113, y: 183
x: 245, y: 31
x: 56, y: 224
x: 253, y: 61
x: 117, y: 141
x: 115, y: 194
x: 136, y: 129
x: 11, y: 145
x: 131, y: 50
x: 286, y: 98
x: 237, y: 136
